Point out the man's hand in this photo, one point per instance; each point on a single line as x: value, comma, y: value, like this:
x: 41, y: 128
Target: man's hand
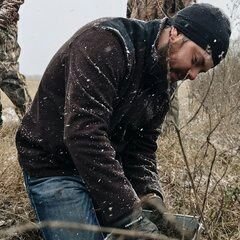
x: 155, y: 210
x: 139, y: 223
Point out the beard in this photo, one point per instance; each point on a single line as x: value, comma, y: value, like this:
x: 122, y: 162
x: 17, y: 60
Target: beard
x: 163, y: 54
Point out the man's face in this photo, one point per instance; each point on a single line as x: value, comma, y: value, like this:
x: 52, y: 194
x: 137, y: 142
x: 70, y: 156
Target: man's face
x: 185, y: 58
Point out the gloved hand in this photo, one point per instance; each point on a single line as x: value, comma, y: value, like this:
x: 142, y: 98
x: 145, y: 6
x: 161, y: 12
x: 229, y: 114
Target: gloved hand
x: 139, y: 223
x: 154, y: 209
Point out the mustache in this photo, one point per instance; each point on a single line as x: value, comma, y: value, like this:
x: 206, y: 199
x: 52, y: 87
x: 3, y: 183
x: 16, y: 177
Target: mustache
x: 182, y: 75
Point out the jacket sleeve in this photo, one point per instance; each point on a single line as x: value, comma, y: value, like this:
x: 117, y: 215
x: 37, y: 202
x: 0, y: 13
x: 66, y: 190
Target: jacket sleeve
x: 129, y: 8
x: 139, y: 157
x: 96, y: 66
x: 9, y: 11
x: 140, y: 164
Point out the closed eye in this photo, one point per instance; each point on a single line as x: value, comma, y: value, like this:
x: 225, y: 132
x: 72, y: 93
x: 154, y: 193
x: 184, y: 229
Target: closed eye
x: 198, y: 61
x: 194, y: 61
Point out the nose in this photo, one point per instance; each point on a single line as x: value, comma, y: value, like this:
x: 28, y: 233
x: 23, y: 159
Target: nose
x: 192, y: 74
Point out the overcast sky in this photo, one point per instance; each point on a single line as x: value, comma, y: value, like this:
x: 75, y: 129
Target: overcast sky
x: 46, y: 24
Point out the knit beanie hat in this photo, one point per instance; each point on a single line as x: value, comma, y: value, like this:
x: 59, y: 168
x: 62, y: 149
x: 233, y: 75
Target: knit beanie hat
x: 207, y: 26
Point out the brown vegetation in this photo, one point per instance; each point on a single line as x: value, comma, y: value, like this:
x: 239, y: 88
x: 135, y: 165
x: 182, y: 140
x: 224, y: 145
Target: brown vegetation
x: 198, y: 163
x: 14, y: 205
x: 208, y: 153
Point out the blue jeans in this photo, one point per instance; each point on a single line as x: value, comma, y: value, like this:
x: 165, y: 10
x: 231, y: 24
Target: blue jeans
x: 62, y: 198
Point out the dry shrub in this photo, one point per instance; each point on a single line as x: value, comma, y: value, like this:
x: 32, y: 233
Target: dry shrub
x: 14, y: 204
x: 216, y: 186
x: 210, y: 140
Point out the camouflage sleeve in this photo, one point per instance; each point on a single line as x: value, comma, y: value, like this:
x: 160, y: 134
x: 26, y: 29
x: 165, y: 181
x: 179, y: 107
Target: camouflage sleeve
x: 9, y: 11
x: 129, y: 8
x: 161, y: 13
x: 151, y: 10
x: 189, y: 2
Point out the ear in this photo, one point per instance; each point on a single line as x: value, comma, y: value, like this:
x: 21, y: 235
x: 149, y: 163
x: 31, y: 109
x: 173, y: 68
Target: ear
x: 174, y: 35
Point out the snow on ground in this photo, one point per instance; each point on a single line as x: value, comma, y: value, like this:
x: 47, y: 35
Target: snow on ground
x: 9, y: 115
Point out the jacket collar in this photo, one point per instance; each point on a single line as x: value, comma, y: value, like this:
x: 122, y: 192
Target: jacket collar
x: 155, y: 72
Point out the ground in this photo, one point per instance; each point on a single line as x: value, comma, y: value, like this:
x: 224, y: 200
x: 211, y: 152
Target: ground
x: 200, y: 176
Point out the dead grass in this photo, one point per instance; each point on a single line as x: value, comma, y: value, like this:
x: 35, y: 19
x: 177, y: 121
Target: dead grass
x: 14, y: 204
x: 214, y: 167
x: 216, y: 180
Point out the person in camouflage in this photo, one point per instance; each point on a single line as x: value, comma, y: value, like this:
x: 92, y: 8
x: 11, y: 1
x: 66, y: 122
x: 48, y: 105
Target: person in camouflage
x: 12, y: 83
x: 148, y: 10
x: 151, y: 9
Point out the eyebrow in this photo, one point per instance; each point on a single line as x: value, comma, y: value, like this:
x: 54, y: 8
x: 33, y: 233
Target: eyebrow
x: 202, y: 62
x: 203, y: 58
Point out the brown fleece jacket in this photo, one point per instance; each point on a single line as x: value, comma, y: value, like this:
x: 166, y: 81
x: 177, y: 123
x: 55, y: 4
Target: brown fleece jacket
x: 97, y: 112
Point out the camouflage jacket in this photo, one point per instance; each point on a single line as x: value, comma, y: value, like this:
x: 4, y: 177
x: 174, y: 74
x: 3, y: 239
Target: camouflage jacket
x: 9, y: 11
x: 152, y: 9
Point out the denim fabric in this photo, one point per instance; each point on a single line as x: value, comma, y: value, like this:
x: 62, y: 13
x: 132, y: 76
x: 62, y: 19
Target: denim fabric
x: 62, y: 198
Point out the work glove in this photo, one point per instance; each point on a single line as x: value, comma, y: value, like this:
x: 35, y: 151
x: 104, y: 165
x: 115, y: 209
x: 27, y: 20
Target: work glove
x: 155, y: 210
x: 138, y: 223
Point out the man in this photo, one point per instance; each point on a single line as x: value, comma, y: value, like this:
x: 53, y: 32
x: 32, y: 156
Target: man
x: 157, y: 9
x: 87, y: 145
x: 12, y: 83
